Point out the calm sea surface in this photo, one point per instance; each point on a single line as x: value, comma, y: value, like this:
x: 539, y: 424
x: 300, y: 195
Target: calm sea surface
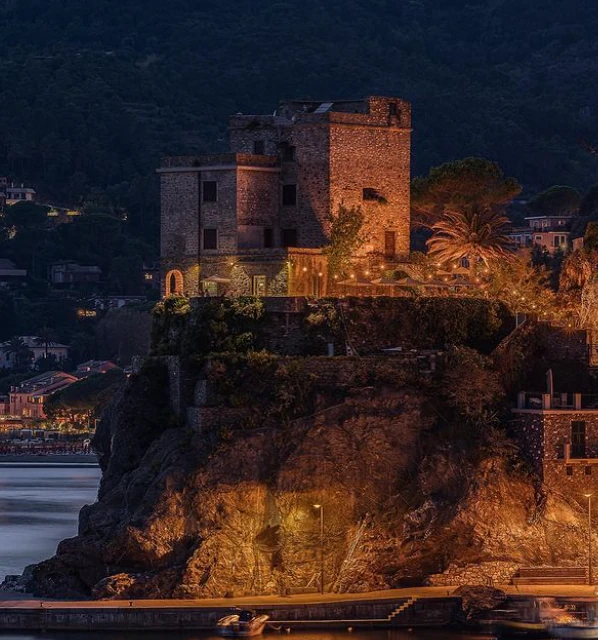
x: 39, y: 506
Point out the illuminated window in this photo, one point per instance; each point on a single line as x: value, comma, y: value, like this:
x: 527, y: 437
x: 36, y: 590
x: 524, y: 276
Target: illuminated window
x: 210, y: 191
x: 289, y: 195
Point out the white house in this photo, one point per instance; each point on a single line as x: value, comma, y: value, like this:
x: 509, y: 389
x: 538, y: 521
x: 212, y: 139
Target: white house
x: 35, y: 345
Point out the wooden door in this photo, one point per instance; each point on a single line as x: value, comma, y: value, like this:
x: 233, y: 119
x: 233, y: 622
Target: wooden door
x: 389, y: 244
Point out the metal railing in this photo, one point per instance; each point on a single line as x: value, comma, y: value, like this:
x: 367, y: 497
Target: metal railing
x: 541, y: 401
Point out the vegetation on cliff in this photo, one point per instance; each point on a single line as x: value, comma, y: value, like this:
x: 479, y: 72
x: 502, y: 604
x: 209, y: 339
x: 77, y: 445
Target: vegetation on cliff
x: 414, y: 469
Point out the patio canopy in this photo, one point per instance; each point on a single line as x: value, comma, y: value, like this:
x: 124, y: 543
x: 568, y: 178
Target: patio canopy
x: 355, y: 282
x: 217, y: 279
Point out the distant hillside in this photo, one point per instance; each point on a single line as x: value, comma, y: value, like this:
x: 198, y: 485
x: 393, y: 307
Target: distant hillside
x: 94, y: 92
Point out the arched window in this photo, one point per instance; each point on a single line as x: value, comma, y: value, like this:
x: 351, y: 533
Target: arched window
x: 174, y: 283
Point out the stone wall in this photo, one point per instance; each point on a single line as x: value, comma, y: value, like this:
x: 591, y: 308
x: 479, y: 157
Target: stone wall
x: 543, y: 435
x: 338, y: 155
x: 179, y: 229
x: 486, y: 573
x: 375, y: 158
x: 220, y: 215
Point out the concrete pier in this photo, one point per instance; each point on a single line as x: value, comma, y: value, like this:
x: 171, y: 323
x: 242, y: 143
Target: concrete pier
x: 409, y: 611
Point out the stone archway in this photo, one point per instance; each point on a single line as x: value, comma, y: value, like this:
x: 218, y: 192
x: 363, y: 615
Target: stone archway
x: 174, y: 283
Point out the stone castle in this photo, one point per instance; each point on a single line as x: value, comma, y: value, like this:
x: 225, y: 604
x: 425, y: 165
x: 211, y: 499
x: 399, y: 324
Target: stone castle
x: 255, y: 221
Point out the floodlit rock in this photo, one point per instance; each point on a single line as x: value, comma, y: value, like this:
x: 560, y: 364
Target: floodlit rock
x: 192, y: 513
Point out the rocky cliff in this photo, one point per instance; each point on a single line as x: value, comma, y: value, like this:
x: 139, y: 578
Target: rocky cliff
x: 416, y: 477
x: 183, y: 514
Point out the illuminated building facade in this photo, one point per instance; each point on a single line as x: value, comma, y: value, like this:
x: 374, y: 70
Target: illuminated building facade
x: 254, y: 221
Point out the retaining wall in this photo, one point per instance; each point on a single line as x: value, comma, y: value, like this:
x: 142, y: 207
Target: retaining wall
x: 113, y: 616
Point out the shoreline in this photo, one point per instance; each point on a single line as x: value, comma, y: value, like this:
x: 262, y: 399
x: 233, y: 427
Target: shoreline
x: 49, y: 458
x: 425, y: 607
x: 339, y: 611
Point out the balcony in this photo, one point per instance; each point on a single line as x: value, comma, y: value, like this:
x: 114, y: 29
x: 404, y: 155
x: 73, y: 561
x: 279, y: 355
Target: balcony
x: 586, y: 453
x: 540, y: 401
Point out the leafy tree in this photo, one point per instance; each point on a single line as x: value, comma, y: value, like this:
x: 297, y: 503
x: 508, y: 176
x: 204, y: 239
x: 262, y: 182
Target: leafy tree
x: 465, y: 187
x: 471, y: 387
x: 47, y: 363
x: 8, y: 316
x: 345, y: 238
x: 556, y: 201
x: 89, y: 396
x: 588, y: 207
x: 26, y: 216
x: 522, y: 288
x: 581, y: 265
x: 124, y: 333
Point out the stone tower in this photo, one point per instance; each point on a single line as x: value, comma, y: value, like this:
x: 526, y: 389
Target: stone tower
x: 274, y: 194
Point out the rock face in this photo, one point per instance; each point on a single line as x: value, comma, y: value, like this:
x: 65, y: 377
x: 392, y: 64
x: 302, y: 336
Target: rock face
x: 183, y: 513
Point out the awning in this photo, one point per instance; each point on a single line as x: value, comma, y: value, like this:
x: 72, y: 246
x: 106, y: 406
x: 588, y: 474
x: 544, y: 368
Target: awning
x: 355, y: 282
x: 217, y: 279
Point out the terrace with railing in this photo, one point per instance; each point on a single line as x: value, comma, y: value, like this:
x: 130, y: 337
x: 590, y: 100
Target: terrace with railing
x: 585, y: 452
x: 541, y: 401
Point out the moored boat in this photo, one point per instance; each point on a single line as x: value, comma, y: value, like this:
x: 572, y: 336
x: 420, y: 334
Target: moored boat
x: 518, y: 629
x: 574, y: 630
x: 527, y: 618
x: 242, y: 624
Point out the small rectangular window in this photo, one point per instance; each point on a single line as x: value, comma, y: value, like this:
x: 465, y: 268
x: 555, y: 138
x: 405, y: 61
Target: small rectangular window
x: 210, y: 191
x: 392, y: 109
x: 588, y: 471
x: 289, y: 195
x: 268, y: 238
x: 569, y: 471
x: 210, y: 239
x: 289, y: 237
x: 288, y: 154
x: 259, y: 147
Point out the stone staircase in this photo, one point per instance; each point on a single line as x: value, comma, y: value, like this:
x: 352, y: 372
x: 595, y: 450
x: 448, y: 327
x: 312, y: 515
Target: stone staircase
x: 551, y: 575
x: 400, y: 609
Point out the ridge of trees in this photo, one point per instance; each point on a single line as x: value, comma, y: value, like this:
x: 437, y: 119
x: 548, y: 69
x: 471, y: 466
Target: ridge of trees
x: 93, y: 94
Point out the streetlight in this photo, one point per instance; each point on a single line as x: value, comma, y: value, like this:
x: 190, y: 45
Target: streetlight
x: 589, y: 497
x: 320, y: 508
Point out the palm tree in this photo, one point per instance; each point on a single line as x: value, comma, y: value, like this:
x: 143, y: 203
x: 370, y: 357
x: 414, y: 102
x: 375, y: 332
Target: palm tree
x: 478, y: 233
x: 45, y: 337
x: 22, y: 354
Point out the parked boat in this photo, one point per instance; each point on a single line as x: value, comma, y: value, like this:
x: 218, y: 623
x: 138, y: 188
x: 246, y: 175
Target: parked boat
x: 526, y: 618
x: 582, y: 621
x: 573, y: 630
x: 242, y: 624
